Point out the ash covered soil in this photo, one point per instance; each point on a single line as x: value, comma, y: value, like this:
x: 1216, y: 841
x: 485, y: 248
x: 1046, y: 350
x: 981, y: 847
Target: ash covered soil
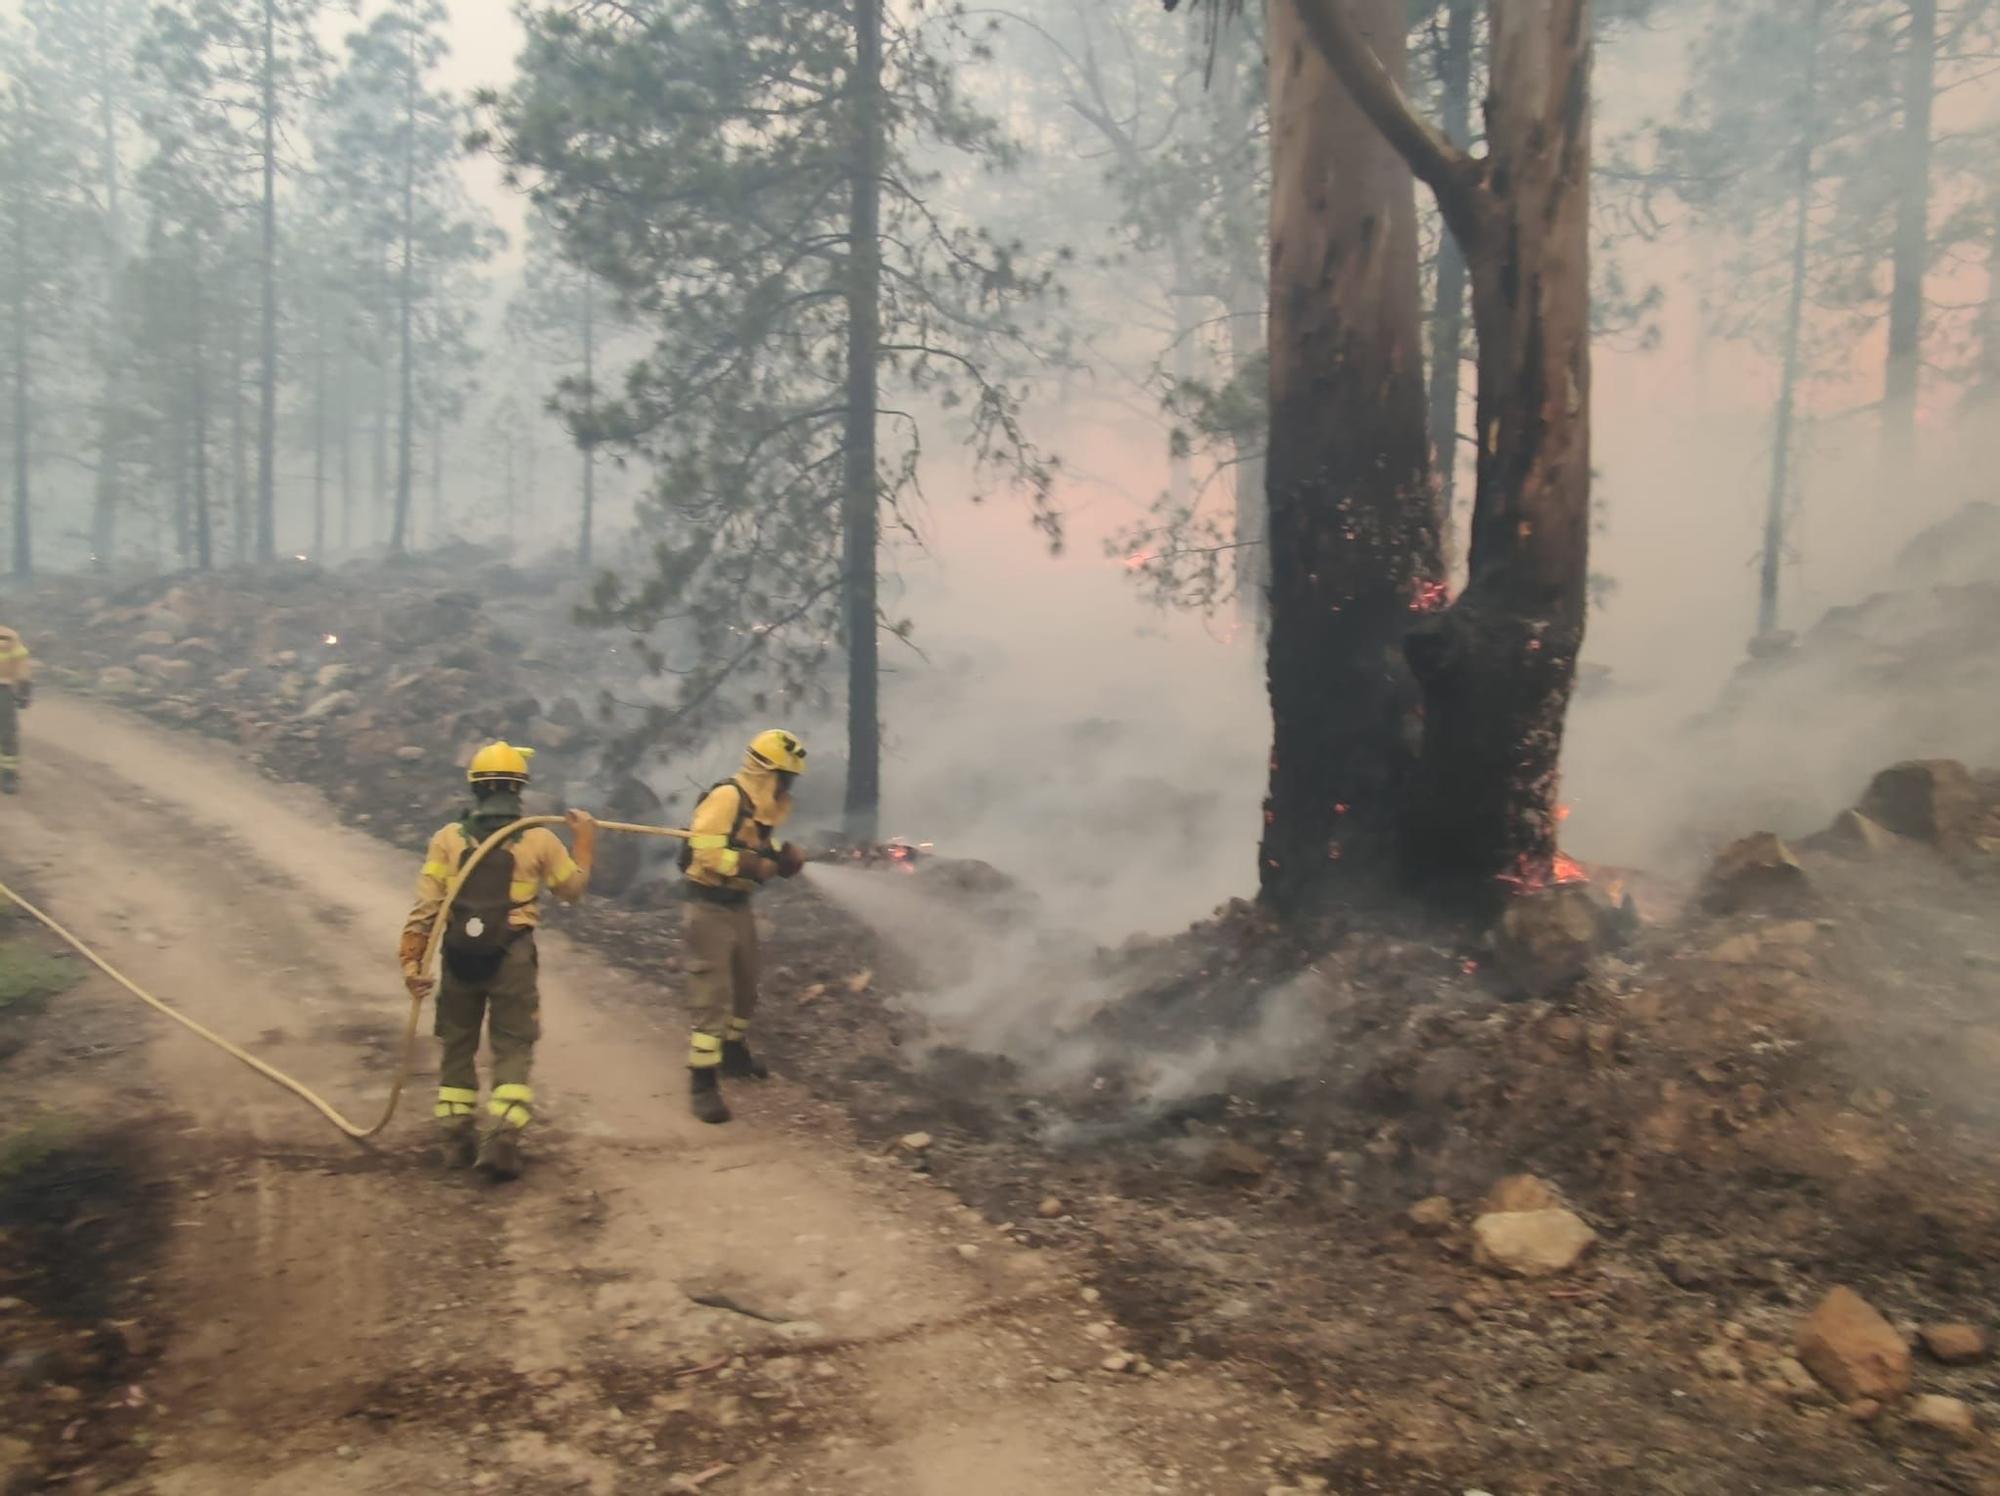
x: 1283, y: 1153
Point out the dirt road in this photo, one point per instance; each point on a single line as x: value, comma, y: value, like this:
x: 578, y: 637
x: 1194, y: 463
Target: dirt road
x: 762, y: 1305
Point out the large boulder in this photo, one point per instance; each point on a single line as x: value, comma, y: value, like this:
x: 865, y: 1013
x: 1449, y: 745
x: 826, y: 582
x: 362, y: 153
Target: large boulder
x: 1531, y: 1243
x: 1759, y: 873
x: 1850, y: 1347
x: 1929, y: 800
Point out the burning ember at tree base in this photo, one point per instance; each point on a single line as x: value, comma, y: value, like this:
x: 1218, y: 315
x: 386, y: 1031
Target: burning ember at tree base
x: 895, y: 853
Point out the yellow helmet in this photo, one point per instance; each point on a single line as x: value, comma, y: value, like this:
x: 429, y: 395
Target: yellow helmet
x: 777, y: 749
x: 499, y: 761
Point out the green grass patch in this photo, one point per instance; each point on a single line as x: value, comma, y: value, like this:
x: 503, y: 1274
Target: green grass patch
x: 30, y: 977
x: 30, y: 1146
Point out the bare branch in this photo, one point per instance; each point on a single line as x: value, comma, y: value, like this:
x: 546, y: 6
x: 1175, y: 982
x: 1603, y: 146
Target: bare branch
x: 1454, y: 175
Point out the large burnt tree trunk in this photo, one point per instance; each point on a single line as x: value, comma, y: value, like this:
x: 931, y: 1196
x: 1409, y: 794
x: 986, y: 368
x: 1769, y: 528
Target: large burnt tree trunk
x: 1498, y: 665
x: 860, y: 514
x: 1353, y: 538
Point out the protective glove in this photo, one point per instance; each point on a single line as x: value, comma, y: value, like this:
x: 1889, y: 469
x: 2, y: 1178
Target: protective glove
x: 791, y: 861
x: 411, y: 954
x: 583, y: 836
x: 756, y: 867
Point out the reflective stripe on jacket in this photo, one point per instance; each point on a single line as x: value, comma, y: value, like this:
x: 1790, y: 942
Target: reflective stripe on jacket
x: 741, y: 813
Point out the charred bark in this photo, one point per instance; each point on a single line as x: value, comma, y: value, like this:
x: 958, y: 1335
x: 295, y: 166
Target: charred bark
x: 860, y: 500
x: 1497, y: 666
x: 1353, y: 535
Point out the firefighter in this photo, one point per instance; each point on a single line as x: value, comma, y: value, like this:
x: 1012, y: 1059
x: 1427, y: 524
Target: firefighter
x: 490, y: 962
x: 17, y: 688
x: 731, y: 851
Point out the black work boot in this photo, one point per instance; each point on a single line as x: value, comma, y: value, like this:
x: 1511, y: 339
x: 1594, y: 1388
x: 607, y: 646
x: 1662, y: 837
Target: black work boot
x: 739, y: 1064
x: 458, y: 1143
x: 705, y: 1093
x: 500, y: 1153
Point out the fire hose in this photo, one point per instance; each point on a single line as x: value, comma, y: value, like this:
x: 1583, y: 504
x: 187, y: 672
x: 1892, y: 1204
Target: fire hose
x: 430, y: 964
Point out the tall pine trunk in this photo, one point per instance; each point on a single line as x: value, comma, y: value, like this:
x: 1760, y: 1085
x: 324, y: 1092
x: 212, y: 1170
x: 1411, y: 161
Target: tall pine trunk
x: 437, y: 480
x: 204, y: 525
x: 346, y: 447
x: 860, y: 514
x: 108, y: 496
x: 1771, y: 570
x: 239, y: 464
x: 179, y: 436
x: 1353, y: 538
x: 405, y: 298
x: 267, y: 371
x: 24, y: 523
x: 1499, y: 665
x: 1448, y: 316
x: 1911, y: 260
x: 379, y: 433
x: 319, y: 429
x: 584, y: 540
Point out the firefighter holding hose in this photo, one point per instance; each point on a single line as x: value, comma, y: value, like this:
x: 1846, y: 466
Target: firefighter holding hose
x: 731, y: 852
x: 17, y: 686
x: 490, y: 961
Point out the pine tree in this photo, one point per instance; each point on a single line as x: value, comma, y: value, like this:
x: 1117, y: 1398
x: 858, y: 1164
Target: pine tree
x: 247, y: 66
x: 47, y: 221
x: 565, y: 318
x: 391, y: 151
x: 747, y: 178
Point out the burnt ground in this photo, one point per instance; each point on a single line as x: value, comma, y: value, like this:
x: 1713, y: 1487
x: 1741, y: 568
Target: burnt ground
x: 1748, y: 1109
x: 85, y: 1198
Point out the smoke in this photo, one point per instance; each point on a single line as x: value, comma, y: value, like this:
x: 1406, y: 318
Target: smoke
x: 1006, y: 974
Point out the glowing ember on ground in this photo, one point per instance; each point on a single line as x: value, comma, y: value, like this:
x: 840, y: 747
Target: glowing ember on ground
x: 899, y: 853
x: 330, y: 639
x: 1430, y: 596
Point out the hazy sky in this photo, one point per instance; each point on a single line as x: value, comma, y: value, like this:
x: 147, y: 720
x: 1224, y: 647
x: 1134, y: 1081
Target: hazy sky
x: 485, y: 38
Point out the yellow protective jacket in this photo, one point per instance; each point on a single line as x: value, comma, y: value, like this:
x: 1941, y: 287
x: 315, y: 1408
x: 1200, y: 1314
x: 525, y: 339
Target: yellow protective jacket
x: 540, y: 861
x: 737, y: 815
x: 16, y: 667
